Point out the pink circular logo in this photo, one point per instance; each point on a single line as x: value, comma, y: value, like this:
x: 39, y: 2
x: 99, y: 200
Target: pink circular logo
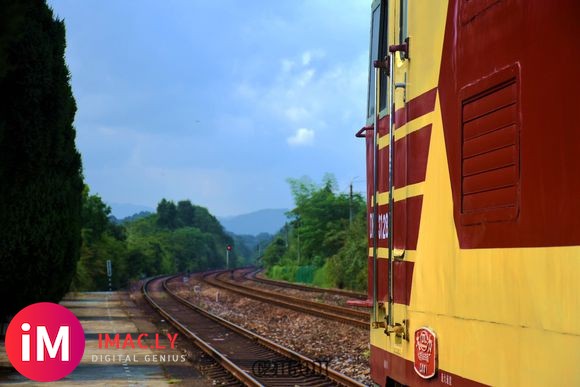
x: 45, y: 342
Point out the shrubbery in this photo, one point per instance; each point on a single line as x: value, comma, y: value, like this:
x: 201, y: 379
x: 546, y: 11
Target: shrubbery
x: 178, y: 238
x: 321, y: 245
x: 41, y: 182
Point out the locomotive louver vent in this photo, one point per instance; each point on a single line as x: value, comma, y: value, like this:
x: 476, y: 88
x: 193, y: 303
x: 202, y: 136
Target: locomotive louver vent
x: 490, y: 155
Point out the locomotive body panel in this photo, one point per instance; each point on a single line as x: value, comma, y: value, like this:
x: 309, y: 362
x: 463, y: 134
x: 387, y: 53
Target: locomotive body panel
x: 486, y: 216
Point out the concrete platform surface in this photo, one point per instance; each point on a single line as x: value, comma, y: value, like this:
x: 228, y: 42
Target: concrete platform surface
x: 112, y: 313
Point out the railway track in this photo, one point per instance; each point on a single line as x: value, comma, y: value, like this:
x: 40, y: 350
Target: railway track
x: 239, y: 356
x: 253, y: 276
x: 333, y: 312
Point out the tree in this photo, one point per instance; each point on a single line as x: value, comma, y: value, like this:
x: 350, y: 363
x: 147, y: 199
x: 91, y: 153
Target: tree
x: 167, y: 214
x: 274, y: 252
x: 40, y: 169
x: 139, y: 264
x: 95, y: 215
x: 192, y: 240
x: 102, y: 240
x: 185, y: 213
x: 348, y: 267
x: 177, y: 238
x: 323, y: 247
x: 206, y: 222
x: 320, y: 218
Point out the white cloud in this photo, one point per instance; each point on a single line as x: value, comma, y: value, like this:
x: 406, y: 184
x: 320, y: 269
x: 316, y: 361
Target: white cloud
x: 287, y: 65
x: 306, y: 77
x: 245, y: 90
x: 296, y: 113
x: 302, y: 137
x: 311, y: 55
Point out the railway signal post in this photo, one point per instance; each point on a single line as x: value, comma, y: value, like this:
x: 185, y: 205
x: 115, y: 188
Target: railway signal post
x: 228, y: 249
x: 110, y: 274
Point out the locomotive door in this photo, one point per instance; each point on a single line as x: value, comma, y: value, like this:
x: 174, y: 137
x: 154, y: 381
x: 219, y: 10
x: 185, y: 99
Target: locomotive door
x: 387, y: 158
x: 388, y: 166
x: 414, y: 97
x: 400, y: 269
x: 376, y: 170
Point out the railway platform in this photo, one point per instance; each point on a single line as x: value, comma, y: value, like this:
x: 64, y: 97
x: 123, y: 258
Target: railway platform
x: 115, y: 313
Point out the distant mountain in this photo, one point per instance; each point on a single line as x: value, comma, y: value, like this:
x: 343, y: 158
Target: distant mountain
x: 123, y: 210
x: 142, y: 214
x: 254, y: 223
x: 251, y: 247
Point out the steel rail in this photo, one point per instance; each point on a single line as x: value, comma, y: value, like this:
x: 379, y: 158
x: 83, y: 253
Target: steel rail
x: 329, y: 373
x: 252, y: 276
x: 295, y: 300
x: 222, y: 360
x: 332, y: 312
x: 334, y: 308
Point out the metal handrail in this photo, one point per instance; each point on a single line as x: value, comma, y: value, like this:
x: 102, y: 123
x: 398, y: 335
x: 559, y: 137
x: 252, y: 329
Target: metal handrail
x: 361, y: 134
x: 375, y: 194
x: 391, y: 234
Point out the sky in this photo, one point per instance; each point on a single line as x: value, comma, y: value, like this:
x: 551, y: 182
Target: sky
x: 218, y: 102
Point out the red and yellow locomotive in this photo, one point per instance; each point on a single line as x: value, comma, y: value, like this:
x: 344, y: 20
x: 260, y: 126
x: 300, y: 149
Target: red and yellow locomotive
x: 473, y: 170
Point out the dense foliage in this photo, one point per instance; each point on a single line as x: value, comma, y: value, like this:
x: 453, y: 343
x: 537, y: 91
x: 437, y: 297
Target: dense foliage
x: 177, y: 238
x: 102, y: 240
x: 325, y: 241
x: 40, y: 168
x: 181, y: 237
x: 251, y: 247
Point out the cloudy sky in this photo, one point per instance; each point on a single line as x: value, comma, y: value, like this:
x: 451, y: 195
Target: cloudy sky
x: 217, y: 101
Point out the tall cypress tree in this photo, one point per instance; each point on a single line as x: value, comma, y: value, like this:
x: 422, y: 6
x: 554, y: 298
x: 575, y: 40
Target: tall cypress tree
x: 40, y: 169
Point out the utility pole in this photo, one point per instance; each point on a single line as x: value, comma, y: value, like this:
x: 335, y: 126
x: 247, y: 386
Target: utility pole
x: 350, y: 206
x: 350, y: 214
x: 298, y: 237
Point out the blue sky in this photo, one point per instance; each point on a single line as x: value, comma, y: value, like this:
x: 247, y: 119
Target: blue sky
x: 217, y: 101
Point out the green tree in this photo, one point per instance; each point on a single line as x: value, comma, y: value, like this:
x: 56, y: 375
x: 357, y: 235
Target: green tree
x: 193, y: 240
x: 139, y: 264
x: 185, y: 213
x: 102, y: 240
x: 348, y: 267
x: 95, y: 215
x: 274, y: 252
x: 320, y: 218
x: 177, y: 238
x: 40, y: 169
x: 206, y: 222
x: 167, y: 214
x: 323, y: 247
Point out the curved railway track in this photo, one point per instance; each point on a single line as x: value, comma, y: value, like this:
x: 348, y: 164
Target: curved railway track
x: 333, y: 312
x: 253, y: 276
x: 248, y: 358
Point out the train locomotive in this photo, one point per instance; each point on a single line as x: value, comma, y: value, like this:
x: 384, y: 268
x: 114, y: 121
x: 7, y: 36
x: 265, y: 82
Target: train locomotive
x: 473, y: 187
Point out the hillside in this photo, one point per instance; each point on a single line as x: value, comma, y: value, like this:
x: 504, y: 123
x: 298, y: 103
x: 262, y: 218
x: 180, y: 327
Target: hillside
x: 180, y: 237
x: 263, y: 221
x: 124, y: 210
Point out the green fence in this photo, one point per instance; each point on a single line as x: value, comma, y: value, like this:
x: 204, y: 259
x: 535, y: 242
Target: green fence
x: 305, y: 274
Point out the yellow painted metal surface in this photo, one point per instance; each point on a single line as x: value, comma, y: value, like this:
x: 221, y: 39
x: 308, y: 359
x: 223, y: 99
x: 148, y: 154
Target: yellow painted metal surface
x: 402, y: 193
x: 504, y: 317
